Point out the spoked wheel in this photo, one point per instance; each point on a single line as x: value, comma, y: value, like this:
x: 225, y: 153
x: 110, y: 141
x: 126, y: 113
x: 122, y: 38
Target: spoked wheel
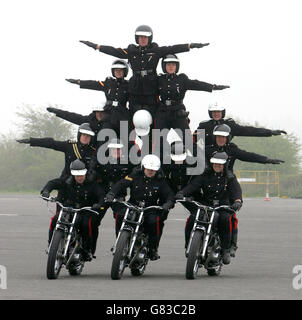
x: 75, y: 264
x: 55, y: 255
x: 120, y: 256
x: 193, y: 259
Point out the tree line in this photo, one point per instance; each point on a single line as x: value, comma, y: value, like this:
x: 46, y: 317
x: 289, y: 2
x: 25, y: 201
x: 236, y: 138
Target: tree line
x: 25, y: 169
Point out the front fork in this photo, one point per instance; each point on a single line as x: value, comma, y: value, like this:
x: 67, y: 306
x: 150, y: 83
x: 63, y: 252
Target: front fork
x: 62, y: 226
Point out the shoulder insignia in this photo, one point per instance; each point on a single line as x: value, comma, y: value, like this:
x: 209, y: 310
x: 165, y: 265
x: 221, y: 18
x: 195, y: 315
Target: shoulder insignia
x: 128, y: 178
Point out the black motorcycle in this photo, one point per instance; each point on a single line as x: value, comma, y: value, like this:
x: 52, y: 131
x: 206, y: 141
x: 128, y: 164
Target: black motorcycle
x: 204, y: 245
x: 131, y: 245
x: 65, y: 247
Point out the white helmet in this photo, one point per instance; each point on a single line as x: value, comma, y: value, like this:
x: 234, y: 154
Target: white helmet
x: 151, y: 161
x: 115, y: 144
x: 178, y: 151
x: 216, y: 107
x: 100, y: 107
x: 142, y: 121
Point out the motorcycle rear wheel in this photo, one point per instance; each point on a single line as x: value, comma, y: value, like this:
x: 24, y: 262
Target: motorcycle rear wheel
x: 193, y: 258
x: 120, y: 256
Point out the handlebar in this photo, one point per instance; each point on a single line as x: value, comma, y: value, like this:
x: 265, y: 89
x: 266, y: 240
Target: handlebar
x: 53, y: 199
x: 199, y: 205
x: 136, y: 208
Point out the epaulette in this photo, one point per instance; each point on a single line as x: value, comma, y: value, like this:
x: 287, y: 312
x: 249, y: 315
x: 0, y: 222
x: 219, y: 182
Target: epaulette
x: 72, y: 141
x: 229, y: 119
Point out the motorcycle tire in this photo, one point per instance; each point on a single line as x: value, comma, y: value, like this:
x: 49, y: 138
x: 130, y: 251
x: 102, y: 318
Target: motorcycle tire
x: 55, y: 255
x: 120, y: 256
x: 194, y: 255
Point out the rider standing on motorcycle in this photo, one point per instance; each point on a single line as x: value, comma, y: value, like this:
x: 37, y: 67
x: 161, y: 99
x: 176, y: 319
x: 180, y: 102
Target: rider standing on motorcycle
x: 147, y: 186
x: 76, y: 191
x: 143, y: 59
x: 172, y: 89
x: 218, y: 189
x: 221, y: 143
x: 116, y: 92
x: 80, y: 149
x: 96, y: 119
x: 217, y: 115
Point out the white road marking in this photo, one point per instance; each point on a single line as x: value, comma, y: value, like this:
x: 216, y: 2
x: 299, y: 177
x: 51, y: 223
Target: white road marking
x: 8, y: 214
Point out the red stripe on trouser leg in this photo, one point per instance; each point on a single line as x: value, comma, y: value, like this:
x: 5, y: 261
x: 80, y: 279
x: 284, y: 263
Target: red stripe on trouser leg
x: 90, y: 230
x: 236, y: 221
x: 51, y: 222
x: 187, y: 222
x: 230, y: 221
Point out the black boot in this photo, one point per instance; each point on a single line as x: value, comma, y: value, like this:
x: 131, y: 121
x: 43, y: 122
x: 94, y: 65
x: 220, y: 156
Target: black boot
x: 153, y: 254
x: 226, y: 256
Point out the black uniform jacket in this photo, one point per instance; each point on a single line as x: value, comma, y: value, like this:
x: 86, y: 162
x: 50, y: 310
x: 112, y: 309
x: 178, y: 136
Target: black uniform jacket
x: 75, y: 194
x: 234, y: 153
x: 114, y: 89
x: 216, y: 188
x: 236, y: 129
x: 78, y: 119
x: 143, y: 59
x: 153, y: 191
x: 172, y: 88
x: 73, y: 150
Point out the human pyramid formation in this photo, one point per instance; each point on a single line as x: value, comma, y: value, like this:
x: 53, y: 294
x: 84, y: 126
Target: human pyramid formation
x: 98, y: 170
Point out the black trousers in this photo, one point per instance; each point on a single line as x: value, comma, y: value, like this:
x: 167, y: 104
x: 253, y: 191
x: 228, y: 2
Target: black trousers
x: 146, y: 102
x: 153, y: 226
x: 88, y: 226
x: 223, y: 225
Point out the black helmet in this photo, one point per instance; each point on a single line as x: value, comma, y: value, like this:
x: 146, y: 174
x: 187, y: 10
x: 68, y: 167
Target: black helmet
x: 223, y: 130
x: 216, y: 107
x: 85, y: 128
x: 219, y: 157
x: 120, y: 64
x: 178, y: 151
x: 144, y: 30
x: 78, y: 168
x: 169, y: 58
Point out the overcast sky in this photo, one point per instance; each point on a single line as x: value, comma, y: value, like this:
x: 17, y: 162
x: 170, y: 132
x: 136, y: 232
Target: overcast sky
x: 255, y: 47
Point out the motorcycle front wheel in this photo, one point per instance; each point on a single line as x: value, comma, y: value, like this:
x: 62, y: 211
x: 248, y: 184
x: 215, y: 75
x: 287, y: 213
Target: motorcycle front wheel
x: 120, y: 256
x: 55, y: 255
x: 193, y: 258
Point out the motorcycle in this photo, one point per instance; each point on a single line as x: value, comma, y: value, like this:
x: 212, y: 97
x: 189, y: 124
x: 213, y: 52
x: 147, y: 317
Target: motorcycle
x: 204, y: 248
x: 65, y: 247
x: 131, y: 245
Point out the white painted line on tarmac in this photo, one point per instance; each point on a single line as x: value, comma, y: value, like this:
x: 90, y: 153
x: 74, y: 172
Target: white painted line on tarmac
x: 177, y: 219
x: 9, y: 199
x: 8, y: 214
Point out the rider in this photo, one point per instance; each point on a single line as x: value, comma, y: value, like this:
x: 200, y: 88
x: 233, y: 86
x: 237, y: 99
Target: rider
x: 143, y: 59
x: 80, y: 149
x: 76, y: 191
x: 116, y: 92
x: 172, y: 89
x: 217, y: 189
x: 96, y: 118
x: 147, y: 185
x: 217, y: 115
x: 221, y: 142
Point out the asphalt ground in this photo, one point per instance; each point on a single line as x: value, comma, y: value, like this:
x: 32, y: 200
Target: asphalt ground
x: 270, y: 240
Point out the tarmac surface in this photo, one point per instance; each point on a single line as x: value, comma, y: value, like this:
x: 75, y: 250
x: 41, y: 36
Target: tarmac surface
x: 270, y: 241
